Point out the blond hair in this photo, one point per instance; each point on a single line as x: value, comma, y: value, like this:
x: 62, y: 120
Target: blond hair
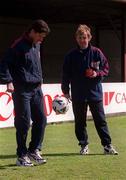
x: 82, y: 28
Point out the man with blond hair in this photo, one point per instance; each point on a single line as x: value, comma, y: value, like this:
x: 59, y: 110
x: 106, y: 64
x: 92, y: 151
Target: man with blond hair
x: 83, y: 70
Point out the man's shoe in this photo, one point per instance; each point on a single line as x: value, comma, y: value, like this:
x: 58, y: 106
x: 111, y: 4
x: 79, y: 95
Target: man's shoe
x: 84, y: 150
x: 23, y: 161
x: 108, y: 149
x: 35, y: 156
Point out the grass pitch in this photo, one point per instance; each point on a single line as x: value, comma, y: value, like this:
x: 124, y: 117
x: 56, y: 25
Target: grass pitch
x: 62, y: 153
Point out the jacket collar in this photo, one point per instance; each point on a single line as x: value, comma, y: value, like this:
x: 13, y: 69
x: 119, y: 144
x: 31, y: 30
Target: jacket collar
x: 84, y: 50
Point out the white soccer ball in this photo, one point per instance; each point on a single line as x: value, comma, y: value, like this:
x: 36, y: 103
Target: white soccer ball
x: 60, y: 105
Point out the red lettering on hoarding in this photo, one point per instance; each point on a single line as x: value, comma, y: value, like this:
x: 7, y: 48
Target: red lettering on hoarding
x: 2, y: 118
x: 120, y: 98
x: 108, y: 97
x: 6, y: 98
x: 48, y: 104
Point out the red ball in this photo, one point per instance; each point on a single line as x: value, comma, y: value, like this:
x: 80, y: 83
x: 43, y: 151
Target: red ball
x: 89, y: 72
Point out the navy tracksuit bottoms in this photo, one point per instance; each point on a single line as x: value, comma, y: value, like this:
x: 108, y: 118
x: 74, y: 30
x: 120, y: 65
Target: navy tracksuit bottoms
x: 29, y: 107
x: 80, y: 113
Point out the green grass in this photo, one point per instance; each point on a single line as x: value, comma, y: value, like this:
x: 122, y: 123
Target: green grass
x: 62, y: 152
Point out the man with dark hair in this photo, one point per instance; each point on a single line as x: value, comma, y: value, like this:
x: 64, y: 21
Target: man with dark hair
x: 20, y: 69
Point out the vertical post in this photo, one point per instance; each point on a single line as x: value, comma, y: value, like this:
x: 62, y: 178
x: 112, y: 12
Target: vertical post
x: 97, y: 36
x: 123, y: 48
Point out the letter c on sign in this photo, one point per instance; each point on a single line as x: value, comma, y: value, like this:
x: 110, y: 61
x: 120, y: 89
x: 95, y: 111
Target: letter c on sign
x: 2, y: 118
x: 48, y: 104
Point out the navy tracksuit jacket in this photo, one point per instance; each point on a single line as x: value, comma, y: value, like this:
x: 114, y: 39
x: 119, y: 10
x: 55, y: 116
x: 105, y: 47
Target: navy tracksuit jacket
x: 75, y: 64
x: 21, y: 66
x: 86, y: 91
x: 21, y: 63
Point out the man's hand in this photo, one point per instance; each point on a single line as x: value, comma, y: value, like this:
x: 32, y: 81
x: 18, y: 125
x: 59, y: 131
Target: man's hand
x: 94, y: 74
x: 10, y: 87
x: 90, y: 73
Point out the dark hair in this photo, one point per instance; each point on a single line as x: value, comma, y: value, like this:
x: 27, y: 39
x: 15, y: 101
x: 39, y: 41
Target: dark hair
x: 39, y: 26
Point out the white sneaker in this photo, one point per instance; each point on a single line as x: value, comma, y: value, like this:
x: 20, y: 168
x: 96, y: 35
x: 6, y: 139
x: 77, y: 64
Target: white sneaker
x: 84, y: 150
x: 23, y: 161
x: 108, y: 149
x: 35, y: 156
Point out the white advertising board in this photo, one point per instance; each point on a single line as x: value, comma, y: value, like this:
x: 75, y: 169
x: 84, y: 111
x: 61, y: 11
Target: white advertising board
x: 114, y: 99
